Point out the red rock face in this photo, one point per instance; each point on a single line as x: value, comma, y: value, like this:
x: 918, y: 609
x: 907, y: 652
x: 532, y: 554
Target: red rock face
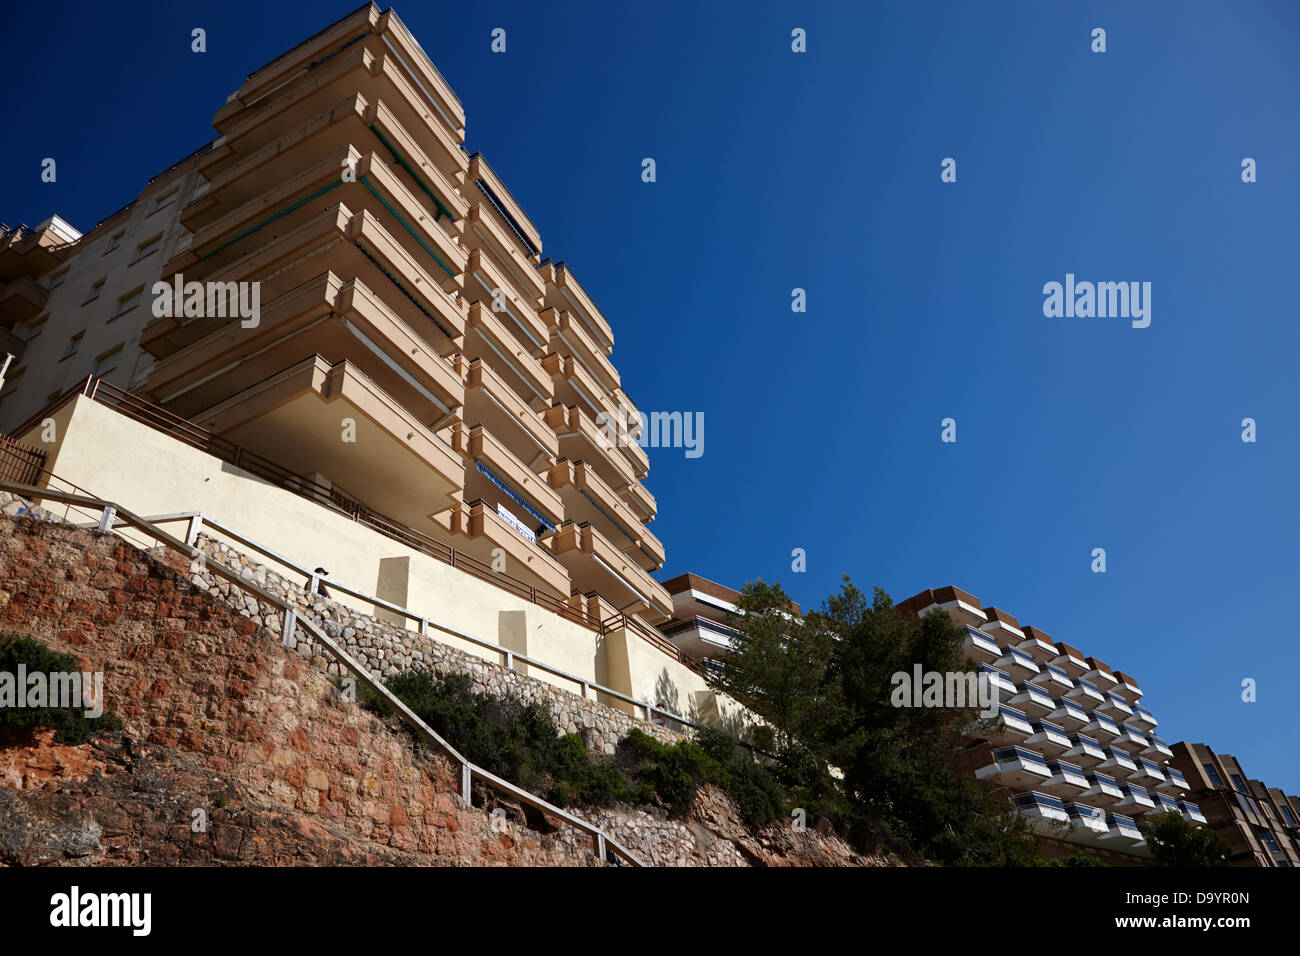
x: 238, y: 751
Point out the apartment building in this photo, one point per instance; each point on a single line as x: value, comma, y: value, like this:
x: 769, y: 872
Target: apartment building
x: 335, y: 310
x: 1260, y: 824
x: 1074, y: 750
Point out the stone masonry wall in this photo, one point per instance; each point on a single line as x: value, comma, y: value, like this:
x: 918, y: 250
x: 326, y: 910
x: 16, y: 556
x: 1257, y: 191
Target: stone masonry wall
x: 215, y: 706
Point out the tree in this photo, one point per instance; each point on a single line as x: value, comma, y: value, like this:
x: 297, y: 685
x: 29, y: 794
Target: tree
x: 825, y: 684
x: 1175, y: 842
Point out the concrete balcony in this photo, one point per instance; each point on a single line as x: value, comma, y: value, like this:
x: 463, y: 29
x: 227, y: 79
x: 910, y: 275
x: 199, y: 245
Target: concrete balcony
x: 491, y: 402
x: 503, y: 465
x: 1018, y: 664
x: 324, y: 315
x: 596, y: 565
x: 963, y: 609
x: 1085, y: 751
x: 351, y: 245
x: 1165, y: 804
x: 702, y: 638
x: 1045, y: 812
x: 296, y: 420
x: 588, y: 499
x: 568, y: 336
x: 1003, y: 628
x: 1130, y: 740
x: 1144, y: 719
x: 487, y: 232
x: 1012, y: 727
x: 980, y: 647
x: 282, y: 207
x: 574, y: 385
x: 1032, y: 699
x: 563, y: 292
x: 1086, y: 694
x: 1070, y: 660
x: 1102, y: 789
x: 1191, y: 811
x: 1135, y: 800
x: 1087, y: 821
x: 20, y: 300
x: 1156, y: 749
x: 512, y: 214
x: 1118, y: 764
x: 1069, y: 714
x: 1015, y: 768
x: 482, y: 529
x: 1148, y: 774
x: 1123, y: 832
x: 1100, y: 674
x: 582, y: 439
x: 1115, y: 706
x: 1048, y: 738
x: 1067, y: 780
x: 33, y: 251
x: 1052, y: 679
x: 999, y: 681
x: 1127, y: 687
x: 1175, y: 782
x: 487, y: 282
x: 640, y: 498
x: 487, y: 338
x: 256, y: 116
x: 1037, y: 645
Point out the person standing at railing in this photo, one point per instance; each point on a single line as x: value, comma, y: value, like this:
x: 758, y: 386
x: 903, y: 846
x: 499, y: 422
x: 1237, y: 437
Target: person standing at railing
x: 320, y: 585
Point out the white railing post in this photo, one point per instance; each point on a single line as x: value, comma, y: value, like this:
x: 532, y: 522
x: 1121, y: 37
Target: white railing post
x: 600, y: 845
x: 510, y: 660
x: 196, y: 525
x: 466, y: 779
x: 584, y: 690
x: 106, y: 518
x: 290, y: 619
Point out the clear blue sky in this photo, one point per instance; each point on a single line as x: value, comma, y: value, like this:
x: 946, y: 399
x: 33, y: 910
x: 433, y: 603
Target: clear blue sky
x: 821, y: 171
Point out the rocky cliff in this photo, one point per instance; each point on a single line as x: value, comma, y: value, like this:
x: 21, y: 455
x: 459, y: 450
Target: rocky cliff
x: 238, y: 751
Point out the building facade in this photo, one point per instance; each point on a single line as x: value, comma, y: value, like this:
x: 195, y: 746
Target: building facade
x: 1073, y: 749
x: 335, y: 311
x: 1260, y: 824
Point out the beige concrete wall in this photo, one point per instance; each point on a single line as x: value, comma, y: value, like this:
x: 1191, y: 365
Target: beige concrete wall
x: 150, y: 473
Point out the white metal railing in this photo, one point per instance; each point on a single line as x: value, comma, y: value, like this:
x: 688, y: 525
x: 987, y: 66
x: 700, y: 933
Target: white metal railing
x: 197, y: 521
x: 113, y: 516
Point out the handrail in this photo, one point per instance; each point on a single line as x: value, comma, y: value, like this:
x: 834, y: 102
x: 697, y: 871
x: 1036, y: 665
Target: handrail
x: 198, y: 521
x: 113, y: 514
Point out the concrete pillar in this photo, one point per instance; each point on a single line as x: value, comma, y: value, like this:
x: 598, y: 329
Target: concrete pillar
x: 393, y: 585
x: 512, y: 633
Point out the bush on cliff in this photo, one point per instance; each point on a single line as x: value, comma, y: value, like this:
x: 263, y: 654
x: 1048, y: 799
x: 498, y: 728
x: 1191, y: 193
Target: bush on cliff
x: 70, y: 723
x: 521, y: 743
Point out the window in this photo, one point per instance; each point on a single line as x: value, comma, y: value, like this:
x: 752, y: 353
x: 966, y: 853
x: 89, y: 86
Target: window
x: 107, y: 362
x: 1268, y: 841
x: 114, y: 241
x: 1287, y: 816
x: 126, y: 303
x: 56, y: 280
x: 165, y: 200
x: 73, y: 344
x: 1237, y: 783
x: 1212, y: 774
x: 95, y: 289
x: 148, y: 247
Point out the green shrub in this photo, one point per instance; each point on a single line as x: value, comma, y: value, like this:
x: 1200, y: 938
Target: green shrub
x: 70, y: 724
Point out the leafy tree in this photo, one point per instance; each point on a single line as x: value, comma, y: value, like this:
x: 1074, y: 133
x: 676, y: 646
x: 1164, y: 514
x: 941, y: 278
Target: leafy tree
x: 1175, y: 842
